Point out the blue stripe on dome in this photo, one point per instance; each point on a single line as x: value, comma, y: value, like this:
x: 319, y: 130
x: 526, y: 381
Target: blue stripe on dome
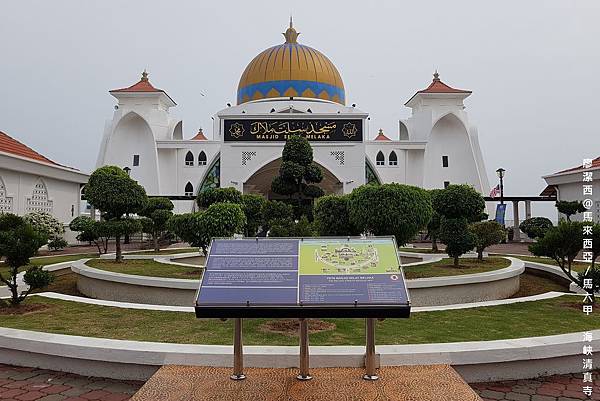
x: 299, y: 86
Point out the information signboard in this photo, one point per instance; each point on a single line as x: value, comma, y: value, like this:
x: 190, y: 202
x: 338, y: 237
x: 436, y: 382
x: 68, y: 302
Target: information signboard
x: 309, y: 277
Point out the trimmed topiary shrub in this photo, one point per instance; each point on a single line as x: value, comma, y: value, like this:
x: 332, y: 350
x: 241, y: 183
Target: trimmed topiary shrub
x: 390, y: 209
x: 536, y: 227
x: 210, y: 196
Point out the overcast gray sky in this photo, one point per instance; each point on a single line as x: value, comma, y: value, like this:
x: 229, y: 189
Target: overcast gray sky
x: 532, y: 67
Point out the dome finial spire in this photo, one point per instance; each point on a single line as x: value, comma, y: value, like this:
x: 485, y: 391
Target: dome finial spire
x: 144, y: 76
x: 436, y: 76
x: 290, y: 34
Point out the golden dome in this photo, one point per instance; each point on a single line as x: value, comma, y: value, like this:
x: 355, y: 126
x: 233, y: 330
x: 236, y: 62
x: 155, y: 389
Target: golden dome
x: 291, y: 70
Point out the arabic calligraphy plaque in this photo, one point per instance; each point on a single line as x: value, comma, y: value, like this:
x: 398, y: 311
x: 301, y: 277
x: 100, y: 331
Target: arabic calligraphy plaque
x: 273, y: 130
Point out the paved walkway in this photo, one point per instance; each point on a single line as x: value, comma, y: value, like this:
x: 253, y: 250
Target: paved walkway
x: 551, y: 388
x: 28, y: 384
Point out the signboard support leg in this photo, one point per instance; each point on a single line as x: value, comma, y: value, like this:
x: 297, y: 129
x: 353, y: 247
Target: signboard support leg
x: 304, y: 356
x: 238, y: 352
x: 370, y: 365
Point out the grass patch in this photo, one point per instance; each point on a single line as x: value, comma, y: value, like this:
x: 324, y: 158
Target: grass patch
x: 63, y: 284
x: 144, y: 267
x: 445, y: 267
x: 419, y: 250
x: 577, y: 266
x: 531, y: 284
x: 163, y: 251
x: 527, y: 319
x: 47, y: 260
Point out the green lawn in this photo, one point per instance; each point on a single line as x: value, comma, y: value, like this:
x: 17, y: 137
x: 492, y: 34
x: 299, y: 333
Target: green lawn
x: 445, y: 267
x: 531, y: 284
x: 419, y: 250
x: 47, y: 260
x: 144, y: 267
x: 577, y: 266
x: 527, y: 319
x: 163, y: 251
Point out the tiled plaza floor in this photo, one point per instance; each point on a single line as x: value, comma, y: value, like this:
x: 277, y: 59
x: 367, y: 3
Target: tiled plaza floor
x: 551, y: 388
x: 28, y: 384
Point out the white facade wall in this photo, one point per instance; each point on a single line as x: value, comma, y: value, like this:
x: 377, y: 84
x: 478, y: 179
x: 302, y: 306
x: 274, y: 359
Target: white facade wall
x: 438, y: 127
x: 29, y: 185
x: 570, y: 188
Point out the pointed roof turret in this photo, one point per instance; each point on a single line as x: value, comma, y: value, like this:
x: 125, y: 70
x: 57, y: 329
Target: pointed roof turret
x: 381, y: 136
x: 200, y: 136
x: 142, y: 86
x: 437, y: 86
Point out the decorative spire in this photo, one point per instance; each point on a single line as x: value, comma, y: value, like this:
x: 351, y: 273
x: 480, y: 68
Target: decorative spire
x: 144, y: 76
x: 436, y: 76
x: 290, y: 34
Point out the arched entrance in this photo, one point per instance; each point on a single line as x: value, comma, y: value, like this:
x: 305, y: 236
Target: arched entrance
x: 260, y: 181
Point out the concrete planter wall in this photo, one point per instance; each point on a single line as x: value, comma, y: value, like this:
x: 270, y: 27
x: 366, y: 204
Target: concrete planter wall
x: 475, y: 361
x: 111, y: 286
x: 101, y: 284
x: 489, y: 286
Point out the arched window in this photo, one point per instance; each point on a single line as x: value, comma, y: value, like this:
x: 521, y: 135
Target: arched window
x: 189, y: 159
x: 202, y: 159
x: 393, y: 160
x: 380, y: 159
x: 189, y: 189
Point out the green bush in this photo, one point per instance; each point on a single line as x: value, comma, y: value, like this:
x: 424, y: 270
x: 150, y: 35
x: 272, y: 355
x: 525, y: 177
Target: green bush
x: 486, y: 233
x: 45, y: 223
x: 457, y: 206
x: 115, y: 194
x: 390, y: 209
x: 457, y: 237
x: 536, y: 227
x: 275, y: 210
x: 459, y: 201
x: 57, y: 244
x: 332, y: 216
x: 569, y: 208
x: 563, y: 243
x: 92, y: 231
x: 19, y: 241
x: 298, y: 173
x: 189, y: 228
x: 36, y: 278
x: 156, y: 213
x: 252, y: 206
x: 290, y: 228
x: 210, y: 196
x: 223, y: 220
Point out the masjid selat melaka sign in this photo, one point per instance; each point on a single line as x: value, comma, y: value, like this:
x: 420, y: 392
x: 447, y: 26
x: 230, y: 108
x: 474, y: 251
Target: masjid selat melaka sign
x: 292, y: 89
x: 281, y: 130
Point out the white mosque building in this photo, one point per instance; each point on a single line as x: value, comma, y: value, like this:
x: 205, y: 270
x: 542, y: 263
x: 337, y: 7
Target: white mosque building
x: 291, y: 89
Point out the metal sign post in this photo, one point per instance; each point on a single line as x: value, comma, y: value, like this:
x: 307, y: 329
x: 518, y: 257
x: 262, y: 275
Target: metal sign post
x: 304, y: 356
x: 238, y: 352
x: 370, y: 363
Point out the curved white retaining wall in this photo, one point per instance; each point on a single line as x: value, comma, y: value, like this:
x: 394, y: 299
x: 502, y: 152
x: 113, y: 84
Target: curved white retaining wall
x: 475, y: 361
x: 465, y: 288
x: 101, y: 284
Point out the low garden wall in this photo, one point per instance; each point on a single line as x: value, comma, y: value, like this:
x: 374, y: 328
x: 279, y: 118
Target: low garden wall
x: 466, y: 288
x: 111, y: 286
x: 475, y: 361
x: 101, y: 284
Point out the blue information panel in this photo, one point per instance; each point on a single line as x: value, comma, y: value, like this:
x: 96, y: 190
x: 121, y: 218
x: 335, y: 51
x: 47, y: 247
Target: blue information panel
x: 312, y: 277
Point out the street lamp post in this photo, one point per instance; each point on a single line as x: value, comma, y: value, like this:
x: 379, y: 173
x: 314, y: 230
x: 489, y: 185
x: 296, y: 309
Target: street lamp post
x: 500, y: 173
x: 128, y: 171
